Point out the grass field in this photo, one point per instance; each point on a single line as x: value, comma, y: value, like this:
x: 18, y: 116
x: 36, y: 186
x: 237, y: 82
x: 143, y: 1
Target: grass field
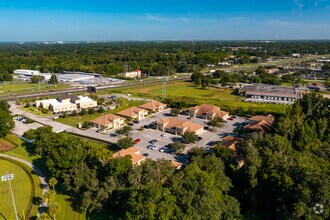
x: 66, y: 211
x: 34, y: 110
x: 74, y: 120
x: 22, y: 190
x: 23, y: 87
x: 187, y: 90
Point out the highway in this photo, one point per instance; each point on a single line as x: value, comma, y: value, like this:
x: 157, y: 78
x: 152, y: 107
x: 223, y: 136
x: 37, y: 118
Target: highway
x: 102, y: 87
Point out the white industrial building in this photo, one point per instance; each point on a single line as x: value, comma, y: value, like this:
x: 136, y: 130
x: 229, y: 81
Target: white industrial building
x: 131, y: 75
x: 66, y: 103
x: 30, y: 73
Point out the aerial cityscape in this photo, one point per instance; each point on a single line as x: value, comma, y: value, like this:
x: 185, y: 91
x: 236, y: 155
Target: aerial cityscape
x: 164, y: 110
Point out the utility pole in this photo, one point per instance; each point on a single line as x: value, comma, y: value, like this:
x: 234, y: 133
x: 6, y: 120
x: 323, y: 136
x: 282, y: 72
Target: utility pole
x: 8, y: 177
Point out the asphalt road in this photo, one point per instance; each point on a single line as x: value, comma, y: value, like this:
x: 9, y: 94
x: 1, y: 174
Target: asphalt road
x: 14, y: 97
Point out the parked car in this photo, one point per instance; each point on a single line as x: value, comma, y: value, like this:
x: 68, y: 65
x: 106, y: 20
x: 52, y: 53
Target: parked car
x: 136, y: 122
x: 153, y: 141
x: 99, y: 131
x: 113, y: 135
x: 230, y: 119
x: 164, y: 135
x: 233, y: 116
x: 145, y: 154
x: 153, y: 147
x: 163, y: 149
x: 138, y: 140
x: 206, y: 128
x: 130, y: 124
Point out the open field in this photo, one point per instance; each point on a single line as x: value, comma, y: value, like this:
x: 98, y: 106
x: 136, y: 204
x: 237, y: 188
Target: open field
x: 22, y: 190
x: 34, y: 110
x: 25, y: 87
x: 187, y: 90
x: 74, y: 120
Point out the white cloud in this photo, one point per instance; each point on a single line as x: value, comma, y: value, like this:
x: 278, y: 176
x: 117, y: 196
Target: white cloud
x: 154, y: 18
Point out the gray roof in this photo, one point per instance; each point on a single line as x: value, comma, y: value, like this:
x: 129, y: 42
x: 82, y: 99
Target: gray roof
x: 265, y: 89
x: 72, y: 98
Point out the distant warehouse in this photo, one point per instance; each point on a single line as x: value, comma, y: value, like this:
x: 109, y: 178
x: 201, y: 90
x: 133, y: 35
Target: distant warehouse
x: 67, y: 76
x: 30, y: 73
x: 271, y: 93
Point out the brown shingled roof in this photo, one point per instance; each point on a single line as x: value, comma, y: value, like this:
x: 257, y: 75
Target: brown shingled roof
x: 179, y: 123
x: 152, y: 105
x: 106, y: 120
x: 133, y: 152
x: 260, y: 123
x: 131, y: 112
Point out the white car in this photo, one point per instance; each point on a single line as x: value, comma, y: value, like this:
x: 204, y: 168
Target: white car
x: 154, y: 147
x: 164, y: 135
x: 163, y: 149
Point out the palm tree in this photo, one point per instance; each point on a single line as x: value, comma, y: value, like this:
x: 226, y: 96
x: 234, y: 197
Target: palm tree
x: 52, y: 182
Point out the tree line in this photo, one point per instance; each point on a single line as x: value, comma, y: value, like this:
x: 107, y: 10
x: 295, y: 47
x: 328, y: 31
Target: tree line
x: 153, y: 58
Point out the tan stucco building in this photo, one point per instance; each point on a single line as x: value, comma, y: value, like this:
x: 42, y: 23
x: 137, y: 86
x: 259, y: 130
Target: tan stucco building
x: 107, y: 122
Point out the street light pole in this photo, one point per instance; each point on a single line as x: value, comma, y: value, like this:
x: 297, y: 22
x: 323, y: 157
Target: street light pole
x: 8, y: 177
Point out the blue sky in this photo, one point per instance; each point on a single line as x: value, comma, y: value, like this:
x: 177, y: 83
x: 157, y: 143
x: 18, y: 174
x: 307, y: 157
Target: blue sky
x: 73, y: 20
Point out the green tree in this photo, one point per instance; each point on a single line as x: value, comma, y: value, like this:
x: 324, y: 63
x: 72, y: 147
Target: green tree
x: 125, y: 142
x: 175, y: 111
x: 124, y: 130
x: 6, y: 122
x: 216, y: 122
x: 189, y: 137
x: 52, y: 183
x: 177, y: 147
x: 53, y: 80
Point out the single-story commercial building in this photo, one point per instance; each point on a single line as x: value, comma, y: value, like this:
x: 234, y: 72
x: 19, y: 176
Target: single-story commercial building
x: 133, y: 113
x: 153, y: 106
x: 107, y: 122
x: 271, y: 93
x: 133, y: 153
x: 207, y: 111
x: 260, y: 123
x: 178, y: 126
x: 66, y: 103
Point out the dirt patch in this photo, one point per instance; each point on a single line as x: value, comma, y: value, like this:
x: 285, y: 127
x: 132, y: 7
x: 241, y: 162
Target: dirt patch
x: 5, y: 146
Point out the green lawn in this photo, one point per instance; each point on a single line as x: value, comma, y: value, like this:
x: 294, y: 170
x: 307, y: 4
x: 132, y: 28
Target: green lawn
x: 20, y: 150
x: 74, y: 120
x: 221, y: 97
x: 23, y: 87
x: 34, y: 110
x: 66, y: 211
x: 22, y: 190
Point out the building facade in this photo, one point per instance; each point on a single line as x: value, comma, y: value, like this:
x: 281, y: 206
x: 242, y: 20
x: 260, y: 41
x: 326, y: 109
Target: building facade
x: 107, y: 122
x: 271, y: 93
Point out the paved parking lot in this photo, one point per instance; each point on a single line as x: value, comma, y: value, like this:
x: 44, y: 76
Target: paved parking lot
x: 21, y: 128
x: 146, y: 135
